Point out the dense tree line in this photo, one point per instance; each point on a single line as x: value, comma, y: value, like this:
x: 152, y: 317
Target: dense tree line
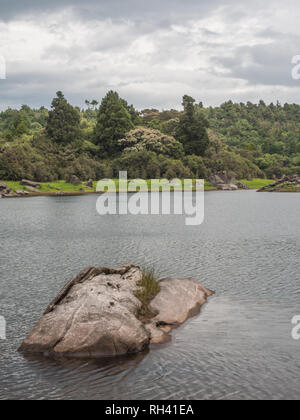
x: 247, y: 140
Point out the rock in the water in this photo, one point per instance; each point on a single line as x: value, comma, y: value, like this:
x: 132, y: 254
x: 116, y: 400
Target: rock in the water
x: 31, y: 184
x: 93, y: 316
x: 74, y: 180
x: 96, y: 314
x: 178, y: 300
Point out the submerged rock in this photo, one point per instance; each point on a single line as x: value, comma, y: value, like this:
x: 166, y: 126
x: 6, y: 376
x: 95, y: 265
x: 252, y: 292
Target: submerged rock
x: 95, y: 314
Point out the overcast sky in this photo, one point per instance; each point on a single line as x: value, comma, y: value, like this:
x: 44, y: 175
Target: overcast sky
x: 151, y: 52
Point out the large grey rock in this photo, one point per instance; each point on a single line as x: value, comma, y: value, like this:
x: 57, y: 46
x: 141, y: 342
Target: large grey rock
x: 74, y: 180
x: 3, y: 186
x: 95, y: 314
x: 31, y: 184
x: 89, y: 183
x: 242, y: 186
x: 21, y: 192
x: 32, y: 189
x: 222, y: 177
x: 5, y: 191
x: 227, y: 187
x: 8, y: 194
x: 216, y: 180
x: 178, y: 300
x: 223, y: 181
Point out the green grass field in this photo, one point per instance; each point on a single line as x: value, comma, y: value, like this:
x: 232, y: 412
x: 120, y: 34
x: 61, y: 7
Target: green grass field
x: 50, y: 187
x: 256, y: 184
x: 63, y: 186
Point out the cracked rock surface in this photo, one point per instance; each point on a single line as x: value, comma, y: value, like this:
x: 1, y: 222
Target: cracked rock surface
x: 95, y: 314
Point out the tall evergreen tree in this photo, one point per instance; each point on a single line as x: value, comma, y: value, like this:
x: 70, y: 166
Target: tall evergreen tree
x: 192, y: 129
x: 63, y: 125
x: 114, y: 121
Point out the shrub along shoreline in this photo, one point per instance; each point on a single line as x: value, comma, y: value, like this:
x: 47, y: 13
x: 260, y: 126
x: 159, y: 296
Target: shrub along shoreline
x: 247, y: 141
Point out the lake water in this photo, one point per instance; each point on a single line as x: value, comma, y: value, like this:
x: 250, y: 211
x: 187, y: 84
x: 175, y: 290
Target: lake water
x: 239, y: 347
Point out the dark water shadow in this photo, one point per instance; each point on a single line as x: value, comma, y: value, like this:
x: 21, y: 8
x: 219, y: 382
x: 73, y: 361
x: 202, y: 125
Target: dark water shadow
x: 92, y: 363
x: 77, y: 378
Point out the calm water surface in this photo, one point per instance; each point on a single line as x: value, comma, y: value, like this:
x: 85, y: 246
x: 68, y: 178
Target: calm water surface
x: 239, y: 347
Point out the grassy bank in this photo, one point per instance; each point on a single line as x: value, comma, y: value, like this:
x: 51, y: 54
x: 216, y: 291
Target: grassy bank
x: 258, y: 183
x: 52, y: 188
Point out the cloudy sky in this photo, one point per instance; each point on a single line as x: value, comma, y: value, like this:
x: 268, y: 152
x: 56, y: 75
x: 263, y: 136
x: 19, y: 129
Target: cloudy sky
x: 151, y: 52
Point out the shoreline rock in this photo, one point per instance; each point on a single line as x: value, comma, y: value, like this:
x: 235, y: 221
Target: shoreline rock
x: 224, y: 181
x: 5, y: 191
x: 31, y: 184
x: 22, y: 192
x: 242, y: 186
x: 284, y: 184
x: 74, y: 180
x: 89, y: 184
x: 177, y: 301
x: 95, y: 314
x: 32, y: 189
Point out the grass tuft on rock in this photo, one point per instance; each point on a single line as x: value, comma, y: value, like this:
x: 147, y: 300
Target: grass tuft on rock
x: 148, y: 289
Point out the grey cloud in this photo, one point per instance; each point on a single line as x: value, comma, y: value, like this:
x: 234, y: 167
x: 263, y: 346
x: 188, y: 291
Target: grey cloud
x: 177, y: 62
x: 264, y: 64
x: 129, y: 9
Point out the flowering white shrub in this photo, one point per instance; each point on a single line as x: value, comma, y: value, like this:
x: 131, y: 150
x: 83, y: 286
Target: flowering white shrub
x: 143, y: 138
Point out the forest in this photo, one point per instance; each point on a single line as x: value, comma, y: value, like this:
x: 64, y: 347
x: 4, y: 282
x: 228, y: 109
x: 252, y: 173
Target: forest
x: 101, y: 138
